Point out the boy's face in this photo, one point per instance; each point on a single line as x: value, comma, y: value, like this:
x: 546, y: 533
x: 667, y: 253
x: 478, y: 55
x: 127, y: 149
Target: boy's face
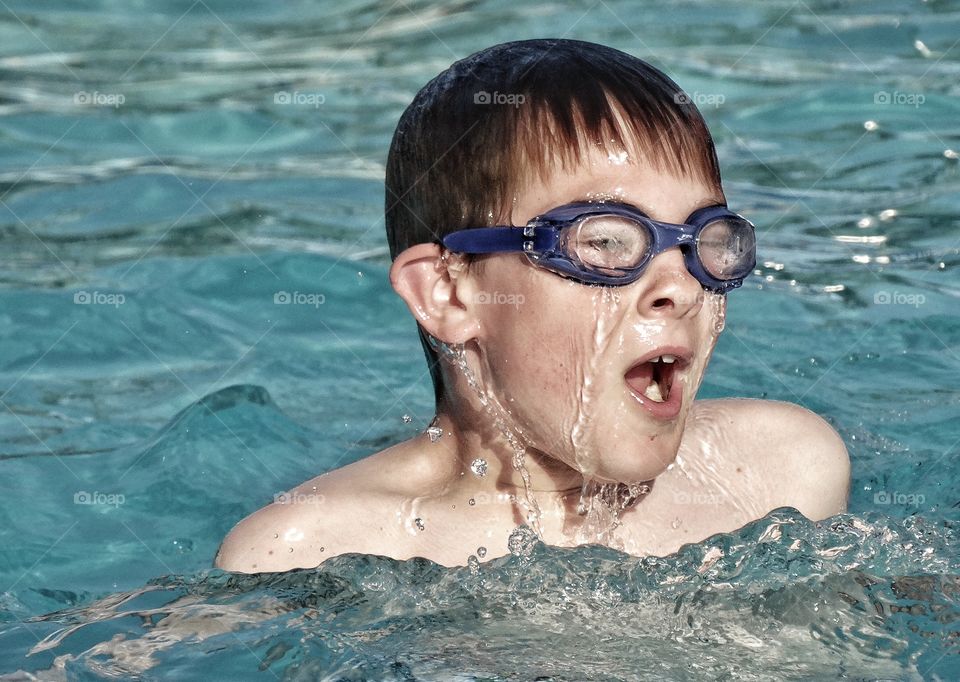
x: 567, y: 359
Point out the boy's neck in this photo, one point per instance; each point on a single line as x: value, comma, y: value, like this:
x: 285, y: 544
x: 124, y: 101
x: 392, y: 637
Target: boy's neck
x: 466, y: 442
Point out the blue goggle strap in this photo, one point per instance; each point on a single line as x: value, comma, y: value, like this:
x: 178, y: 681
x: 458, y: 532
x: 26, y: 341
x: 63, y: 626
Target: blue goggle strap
x: 502, y: 239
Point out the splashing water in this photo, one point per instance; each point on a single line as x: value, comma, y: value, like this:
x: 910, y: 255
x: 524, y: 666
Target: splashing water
x: 602, y: 504
x: 502, y: 421
x: 522, y: 541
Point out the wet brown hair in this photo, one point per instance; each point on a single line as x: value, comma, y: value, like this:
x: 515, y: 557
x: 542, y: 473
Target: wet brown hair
x: 472, y: 135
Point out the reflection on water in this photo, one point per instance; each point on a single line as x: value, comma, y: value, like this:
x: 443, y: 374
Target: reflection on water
x: 245, y: 162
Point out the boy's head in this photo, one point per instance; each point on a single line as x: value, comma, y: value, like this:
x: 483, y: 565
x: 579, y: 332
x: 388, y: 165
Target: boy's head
x: 473, y: 135
x: 510, y: 133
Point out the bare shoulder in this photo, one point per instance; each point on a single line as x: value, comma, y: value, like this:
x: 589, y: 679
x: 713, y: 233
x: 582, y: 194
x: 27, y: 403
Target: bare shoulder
x: 803, y: 459
x: 299, y: 533
x: 350, y: 509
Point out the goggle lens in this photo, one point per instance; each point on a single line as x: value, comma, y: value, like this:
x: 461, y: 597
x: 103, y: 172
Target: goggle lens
x: 608, y: 244
x: 726, y: 247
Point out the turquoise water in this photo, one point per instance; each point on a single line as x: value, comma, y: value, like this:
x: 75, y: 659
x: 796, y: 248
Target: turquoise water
x: 136, y: 428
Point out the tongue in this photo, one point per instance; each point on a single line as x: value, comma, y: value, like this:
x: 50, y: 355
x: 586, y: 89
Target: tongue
x: 640, y: 377
x: 653, y: 392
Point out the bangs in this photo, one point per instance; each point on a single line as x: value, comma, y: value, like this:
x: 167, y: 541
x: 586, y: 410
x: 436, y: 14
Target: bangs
x: 645, y: 115
x: 552, y: 137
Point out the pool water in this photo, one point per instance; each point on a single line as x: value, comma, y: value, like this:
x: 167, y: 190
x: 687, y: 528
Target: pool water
x: 172, y: 172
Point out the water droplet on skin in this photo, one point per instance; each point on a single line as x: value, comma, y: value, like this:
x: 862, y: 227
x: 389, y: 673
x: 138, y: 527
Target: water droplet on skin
x: 434, y: 433
x: 479, y: 467
x: 291, y: 550
x: 675, y: 523
x: 720, y: 321
x: 321, y: 549
x: 276, y: 535
x: 407, y: 419
x: 481, y: 552
x: 418, y: 523
x: 471, y: 501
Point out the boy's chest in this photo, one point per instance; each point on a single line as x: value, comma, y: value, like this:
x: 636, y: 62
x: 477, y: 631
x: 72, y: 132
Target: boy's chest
x: 696, y: 498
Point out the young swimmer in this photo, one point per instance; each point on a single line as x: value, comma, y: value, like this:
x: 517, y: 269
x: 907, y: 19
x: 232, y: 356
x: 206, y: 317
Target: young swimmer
x: 559, y: 231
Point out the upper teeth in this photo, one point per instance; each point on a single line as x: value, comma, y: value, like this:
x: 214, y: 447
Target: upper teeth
x: 669, y: 359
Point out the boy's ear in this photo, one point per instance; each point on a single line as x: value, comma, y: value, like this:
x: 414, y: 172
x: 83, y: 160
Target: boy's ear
x: 436, y: 289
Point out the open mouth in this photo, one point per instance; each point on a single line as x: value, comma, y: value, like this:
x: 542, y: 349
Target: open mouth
x: 655, y: 383
x: 654, y: 378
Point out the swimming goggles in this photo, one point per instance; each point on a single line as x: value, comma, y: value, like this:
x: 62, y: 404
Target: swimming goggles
x: 612, y: 243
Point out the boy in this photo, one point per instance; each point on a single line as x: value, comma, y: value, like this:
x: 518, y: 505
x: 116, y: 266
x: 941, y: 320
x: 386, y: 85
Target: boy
x: 559, y: 231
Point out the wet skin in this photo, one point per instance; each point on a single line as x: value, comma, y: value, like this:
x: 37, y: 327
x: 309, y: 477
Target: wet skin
x: 551, y: 369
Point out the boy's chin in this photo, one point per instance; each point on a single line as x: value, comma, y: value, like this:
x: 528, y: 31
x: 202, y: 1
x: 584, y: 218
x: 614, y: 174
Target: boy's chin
x: 645, y: 464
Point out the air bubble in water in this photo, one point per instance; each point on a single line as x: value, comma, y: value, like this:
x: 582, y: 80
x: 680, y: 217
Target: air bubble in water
x: 522, y: 541
x: 479, y: 467
x: 407, y: 419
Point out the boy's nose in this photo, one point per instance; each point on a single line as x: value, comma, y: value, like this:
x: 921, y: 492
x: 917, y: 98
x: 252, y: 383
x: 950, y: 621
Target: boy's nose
x: 669, y: 290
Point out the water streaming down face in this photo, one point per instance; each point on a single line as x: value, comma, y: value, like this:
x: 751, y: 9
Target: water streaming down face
x: 602, y: 503
x: 614, y: 336
x: 455, y: 355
